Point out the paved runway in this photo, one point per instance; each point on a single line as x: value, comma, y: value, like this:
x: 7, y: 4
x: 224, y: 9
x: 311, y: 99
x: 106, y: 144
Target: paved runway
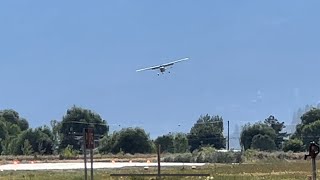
x: 96, y: 165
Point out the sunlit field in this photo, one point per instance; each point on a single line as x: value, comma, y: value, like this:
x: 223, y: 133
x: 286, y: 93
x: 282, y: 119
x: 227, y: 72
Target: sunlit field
x: 278, y: 170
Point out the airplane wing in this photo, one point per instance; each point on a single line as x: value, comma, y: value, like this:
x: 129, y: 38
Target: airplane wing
x: 149, y: 68
x: 173, y: 62
x: 163, y: 65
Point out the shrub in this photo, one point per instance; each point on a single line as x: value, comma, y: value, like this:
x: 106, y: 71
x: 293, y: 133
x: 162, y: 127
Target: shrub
x: 294, y: 145
x: 185, y: 157
x: 206, y: 155
x: 69, y: 153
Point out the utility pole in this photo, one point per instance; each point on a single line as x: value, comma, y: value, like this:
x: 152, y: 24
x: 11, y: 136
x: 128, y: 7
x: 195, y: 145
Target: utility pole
x: 91, y: 160
x: 88, y: 144
x: 158, y: 152
x: 228, y: 137
x: 85, y: 154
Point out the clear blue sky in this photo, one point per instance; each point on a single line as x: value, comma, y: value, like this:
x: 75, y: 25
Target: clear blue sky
x: 248, y: 59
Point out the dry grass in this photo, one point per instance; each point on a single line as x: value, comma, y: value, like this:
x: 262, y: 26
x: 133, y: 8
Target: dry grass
x: 294, y: 170
x: 97, y: 158
x: 258, y: 166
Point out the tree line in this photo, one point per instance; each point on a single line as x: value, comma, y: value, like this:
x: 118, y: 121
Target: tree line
x: 65, y: 136
x: 17, y: 138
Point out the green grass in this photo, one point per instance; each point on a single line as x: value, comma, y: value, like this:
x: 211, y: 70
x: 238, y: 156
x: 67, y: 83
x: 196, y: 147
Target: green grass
x: 256, y: 171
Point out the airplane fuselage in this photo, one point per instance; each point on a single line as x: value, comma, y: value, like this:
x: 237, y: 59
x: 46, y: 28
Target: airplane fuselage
x: 162, y: 69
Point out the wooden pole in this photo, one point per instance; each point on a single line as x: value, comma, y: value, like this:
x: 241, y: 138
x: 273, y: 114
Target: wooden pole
x: 91, y: 158
x: 85, y: 154
x: 159, y: 169
x: 314, y: 169
x: 228, y: 137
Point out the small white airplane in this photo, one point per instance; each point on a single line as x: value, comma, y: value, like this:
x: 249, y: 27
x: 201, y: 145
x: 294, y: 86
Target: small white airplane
x: 163, y: 67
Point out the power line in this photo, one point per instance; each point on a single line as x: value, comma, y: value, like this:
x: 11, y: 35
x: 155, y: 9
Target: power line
x: 79, y: 122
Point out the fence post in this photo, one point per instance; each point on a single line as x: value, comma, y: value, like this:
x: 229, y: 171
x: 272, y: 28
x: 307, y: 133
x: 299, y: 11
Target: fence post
x: 313, y: 152
x: 85, y: 154
x: 159, y: 167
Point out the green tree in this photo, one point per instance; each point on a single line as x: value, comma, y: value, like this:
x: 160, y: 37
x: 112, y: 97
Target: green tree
x: 308, y: 129
x: 55, y: 129
x: 3, y: 130
x: 11, y: 116
x: 26, y: 148
x: 263, y: 143
x: 3, y: 134
x: 272, y: 122
x: 130, y: 140
x: 207, y: 131
x: 40, y: 142
x: 108, y: 143
x: 11, y: 145
x: 180, y: 143
x: 105, y: 144
x: 249, y: 131
x: 298, y: 132
x: 165, y: 142
x: 23, y: 124
x: 46, y: 130
x: 69, y: 153
x: 73, y: 123
x: 13, y: 129
x: 295, y: 145
x: 11, y: 125
x: 12, y: 132
x: 311, y: 132
x: 310, y: 116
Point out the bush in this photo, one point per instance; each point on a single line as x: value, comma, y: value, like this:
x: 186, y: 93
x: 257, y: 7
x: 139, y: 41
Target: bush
x: 253, y: 155
x: 69, y: 153
x: 263, y: 143
x: 169, y: 158
x: 294, y: 145
x: 185, y: 157
x: 206, y: 155
x: 228, y: 157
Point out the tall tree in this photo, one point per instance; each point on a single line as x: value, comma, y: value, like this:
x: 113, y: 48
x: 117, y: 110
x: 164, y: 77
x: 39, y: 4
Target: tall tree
x: 250, y: 131
x: 23, y: 124
x: 55, y: 128
x: 108, y: 144
x: 308, y: 129
x: 180, y: 143
x: 26, y: 148
x: 3, y: 129
x: 295, y: 145
x: 272, y: 122
x: 11, y: 125
x: 166, y: 142
x: 128, y: 140
x: 263, y: 143
x: 3, y: 134
x: 11, y: 116
x: 39, y: 141
x: 73, y: 123
x: 45, y: 129
x: 208, y: 130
